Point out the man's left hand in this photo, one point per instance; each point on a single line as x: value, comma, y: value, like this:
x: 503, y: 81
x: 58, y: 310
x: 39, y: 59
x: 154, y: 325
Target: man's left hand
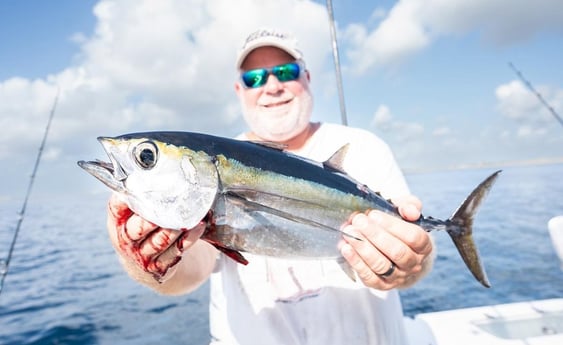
x: 393, y: 253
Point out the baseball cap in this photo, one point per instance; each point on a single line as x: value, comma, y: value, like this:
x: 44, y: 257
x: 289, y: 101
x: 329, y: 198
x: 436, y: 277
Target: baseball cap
x: 269, y: 38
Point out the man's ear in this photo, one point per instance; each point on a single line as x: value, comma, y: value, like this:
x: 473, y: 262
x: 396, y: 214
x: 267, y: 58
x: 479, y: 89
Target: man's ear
x: 238, y: 88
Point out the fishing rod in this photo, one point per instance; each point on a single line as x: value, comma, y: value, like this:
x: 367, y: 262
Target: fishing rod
x: 5, y: 264
x: 538, y: 95
x: 336, y: 63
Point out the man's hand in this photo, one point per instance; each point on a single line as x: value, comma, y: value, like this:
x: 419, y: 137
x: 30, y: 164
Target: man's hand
x: 393, y: 253
x: 143, y: 246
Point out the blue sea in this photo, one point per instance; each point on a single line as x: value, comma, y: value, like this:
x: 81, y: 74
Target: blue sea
x: 66, y: 286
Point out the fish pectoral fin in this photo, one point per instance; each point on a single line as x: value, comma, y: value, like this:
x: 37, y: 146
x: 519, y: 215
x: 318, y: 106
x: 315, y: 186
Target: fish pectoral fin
x: 243, y: 196
x: 231, y: 253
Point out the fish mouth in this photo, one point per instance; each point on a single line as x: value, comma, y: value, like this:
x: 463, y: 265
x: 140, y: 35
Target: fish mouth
x: 104, y: 172
x: 110, y: 173
x: 104, y: 165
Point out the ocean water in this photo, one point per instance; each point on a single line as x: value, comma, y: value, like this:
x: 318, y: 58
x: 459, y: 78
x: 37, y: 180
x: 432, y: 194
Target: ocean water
x: 66, y: 286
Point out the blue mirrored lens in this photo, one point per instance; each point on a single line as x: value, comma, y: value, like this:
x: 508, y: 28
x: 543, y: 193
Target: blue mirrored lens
x: 258, y: 77
x: 287, y: 72
x: 255, y: 78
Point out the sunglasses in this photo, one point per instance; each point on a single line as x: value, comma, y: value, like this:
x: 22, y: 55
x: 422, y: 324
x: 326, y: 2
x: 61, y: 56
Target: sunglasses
x: 258, y: 77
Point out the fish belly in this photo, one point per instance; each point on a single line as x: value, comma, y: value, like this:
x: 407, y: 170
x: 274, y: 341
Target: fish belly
x: 248, y: 227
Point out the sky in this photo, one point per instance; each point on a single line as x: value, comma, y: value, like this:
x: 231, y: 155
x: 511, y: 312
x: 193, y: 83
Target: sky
x: 430, y: 77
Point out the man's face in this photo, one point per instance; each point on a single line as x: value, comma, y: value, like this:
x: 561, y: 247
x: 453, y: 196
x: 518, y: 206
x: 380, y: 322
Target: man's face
x: 276, y: 111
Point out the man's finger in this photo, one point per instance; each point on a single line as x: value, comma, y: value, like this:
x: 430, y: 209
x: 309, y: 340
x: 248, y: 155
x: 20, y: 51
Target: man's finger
x: 119, y: 211
x: 158, y: 241
x: 412, y: 235
x: 409, y: 207
x: 138, y: 228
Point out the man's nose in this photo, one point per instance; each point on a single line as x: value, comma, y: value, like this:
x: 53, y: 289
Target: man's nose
x: 273, y: 84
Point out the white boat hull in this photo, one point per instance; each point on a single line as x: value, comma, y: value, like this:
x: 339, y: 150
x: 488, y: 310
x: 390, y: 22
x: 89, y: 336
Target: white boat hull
x: 530, y: 323
x: 555, y: 227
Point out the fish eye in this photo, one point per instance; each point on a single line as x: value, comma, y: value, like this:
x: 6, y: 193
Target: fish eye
x: 146, y: 154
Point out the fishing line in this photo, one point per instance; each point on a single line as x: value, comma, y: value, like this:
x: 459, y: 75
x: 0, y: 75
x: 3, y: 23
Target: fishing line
x: 336, y: 63
x: 538, y: 95
x: 5, y: 264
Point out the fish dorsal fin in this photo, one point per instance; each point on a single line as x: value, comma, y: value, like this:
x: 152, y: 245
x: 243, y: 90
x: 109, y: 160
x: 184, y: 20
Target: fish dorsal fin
x: 270, y: 144
x: 336, y: 161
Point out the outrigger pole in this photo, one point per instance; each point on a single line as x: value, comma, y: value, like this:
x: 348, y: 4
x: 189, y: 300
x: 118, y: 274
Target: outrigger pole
x: 538, y: 95
x: 336, y: 63
x: 5, y: 264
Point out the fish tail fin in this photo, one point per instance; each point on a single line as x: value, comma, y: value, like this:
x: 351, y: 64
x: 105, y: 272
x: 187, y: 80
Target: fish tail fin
x: 460, y: 229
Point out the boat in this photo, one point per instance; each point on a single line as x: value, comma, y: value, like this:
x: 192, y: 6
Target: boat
x: 533, y: 322
x: 555, y: 227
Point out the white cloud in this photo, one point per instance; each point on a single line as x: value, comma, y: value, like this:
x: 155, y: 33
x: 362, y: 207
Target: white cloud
x: 24, y: 110
x: 148, y: 65
x: 516, y: 102
x: 382, y: 117
x: 378, y: 14
x: 499, y: 21
x: 441, y: 131
x: 403, y: 131
x: 398, y: 36
x: 412, y: 25
x: 169, y: 65
x: 152, y: 65
x: 529, y: 131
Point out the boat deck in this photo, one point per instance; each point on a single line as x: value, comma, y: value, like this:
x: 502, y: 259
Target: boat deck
x: 531, y: 323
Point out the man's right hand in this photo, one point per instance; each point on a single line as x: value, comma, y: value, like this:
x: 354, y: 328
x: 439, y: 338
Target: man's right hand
x: 145, y: 248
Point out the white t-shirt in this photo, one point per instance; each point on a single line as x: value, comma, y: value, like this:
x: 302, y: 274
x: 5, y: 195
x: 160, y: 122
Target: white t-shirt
x: 274, y: 301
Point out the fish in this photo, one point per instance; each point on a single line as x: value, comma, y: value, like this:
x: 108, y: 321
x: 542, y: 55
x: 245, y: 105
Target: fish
x: 255, y: 197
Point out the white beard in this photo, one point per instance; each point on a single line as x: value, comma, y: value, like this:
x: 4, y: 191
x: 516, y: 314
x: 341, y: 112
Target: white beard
x: 281, y: 123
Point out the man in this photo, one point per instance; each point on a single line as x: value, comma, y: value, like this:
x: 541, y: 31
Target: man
x: 277, y: 301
